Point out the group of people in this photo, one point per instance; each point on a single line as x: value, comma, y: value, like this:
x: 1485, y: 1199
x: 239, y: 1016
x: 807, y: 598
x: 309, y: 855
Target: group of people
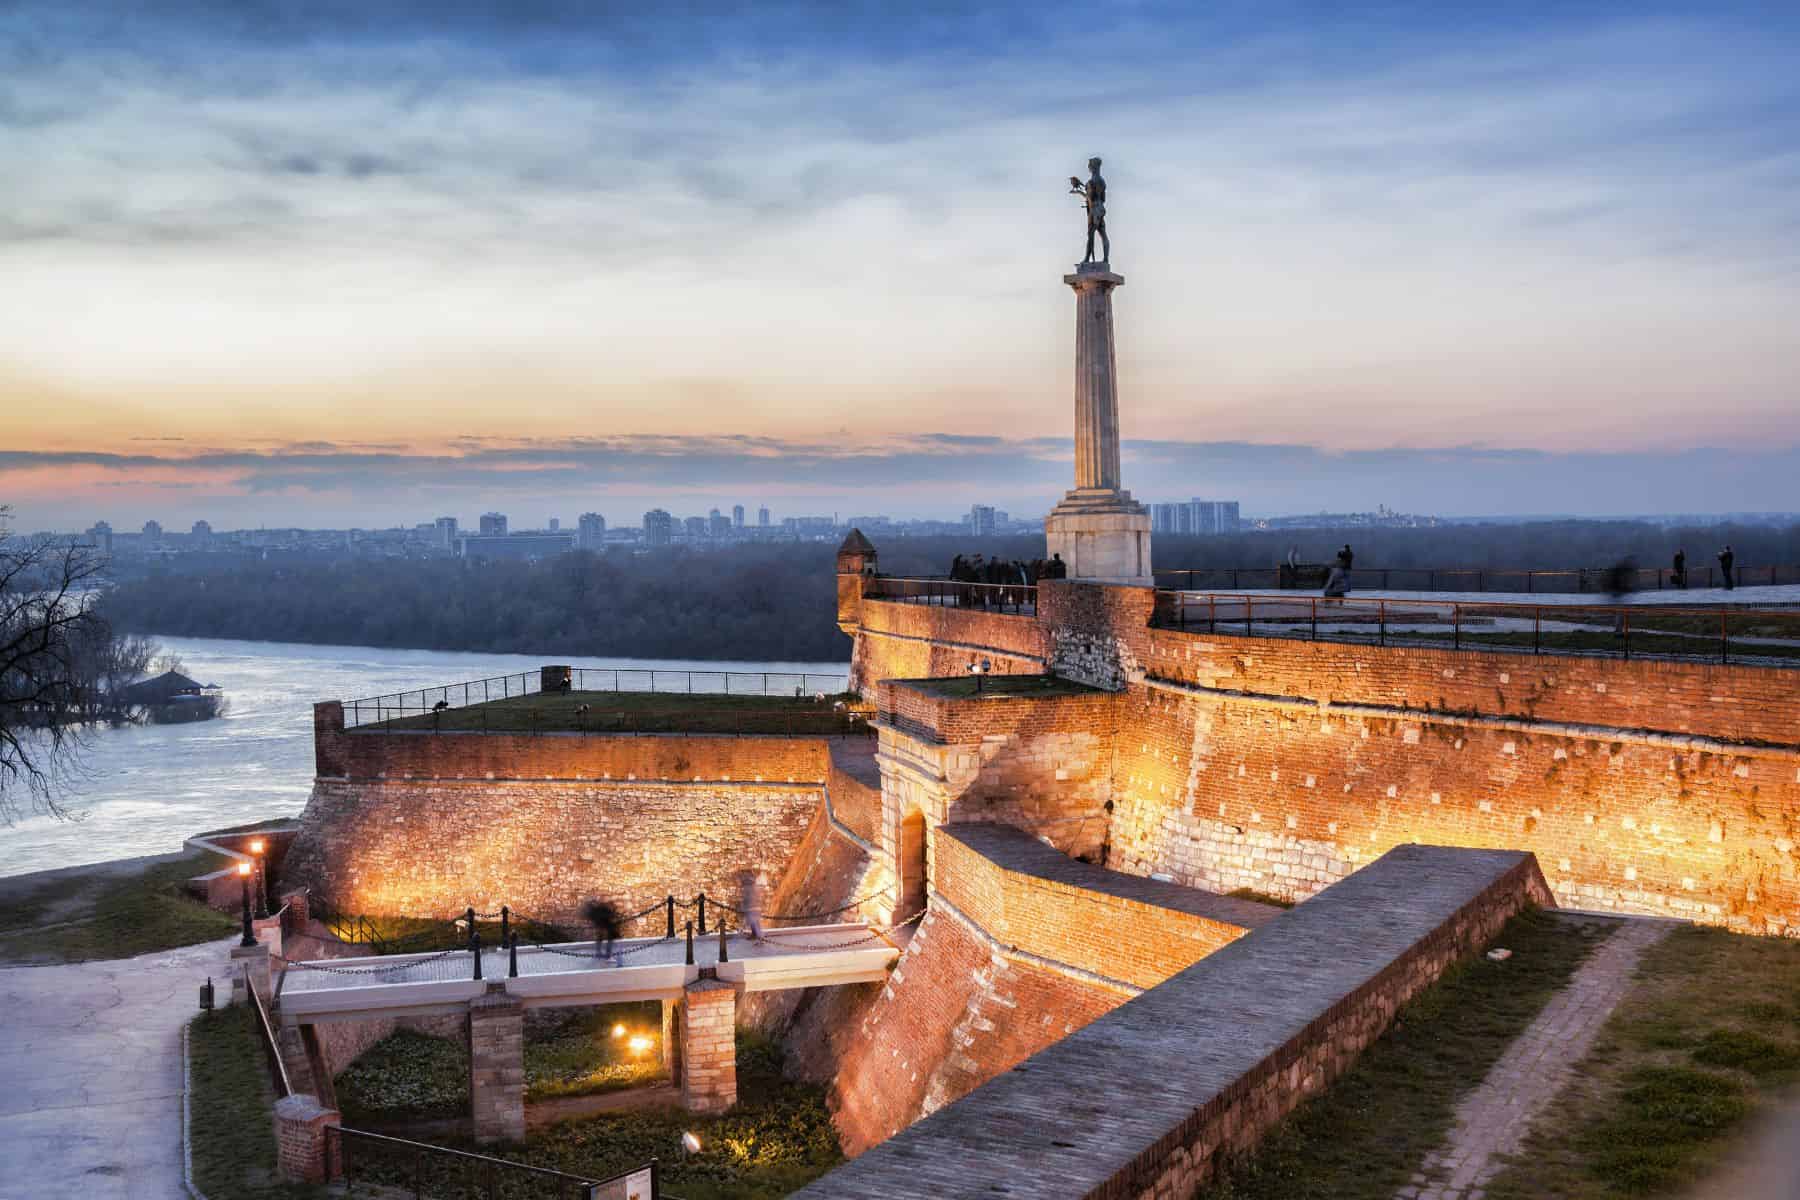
x: 980, y: 569
x: 1727, y: 560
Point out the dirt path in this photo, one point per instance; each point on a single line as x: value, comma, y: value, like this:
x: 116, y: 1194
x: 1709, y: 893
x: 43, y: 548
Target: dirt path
x: 1492, y: 1120
x: 90, y: 1084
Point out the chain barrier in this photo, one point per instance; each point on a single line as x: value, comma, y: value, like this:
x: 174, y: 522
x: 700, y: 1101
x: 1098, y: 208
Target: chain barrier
x: 807, y: 916
x: 390, y: 969
x: 588, y: 951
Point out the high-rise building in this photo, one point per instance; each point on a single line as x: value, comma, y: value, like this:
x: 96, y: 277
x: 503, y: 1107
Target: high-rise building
x: 201, y: 535
x: 492, y: 524
x: 555, y: 524
x: 153, y: 533
x: 444, y: 532
x: 1195, y: 516
x: 694, y: 527
x: 737, y: 516
x: 717, y: 525
x: 100, y: 534
x: 762, y: 517
x: 590, y: 531
x: 981, y: 520
x: 659, y: 526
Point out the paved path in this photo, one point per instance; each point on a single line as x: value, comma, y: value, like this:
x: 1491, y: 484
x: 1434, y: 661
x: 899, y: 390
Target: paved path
x: 1492, y: 1120
x: 90, y: 1081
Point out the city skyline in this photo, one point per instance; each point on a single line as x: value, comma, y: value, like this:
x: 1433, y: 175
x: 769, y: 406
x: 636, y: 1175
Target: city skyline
x: 1446, y: 259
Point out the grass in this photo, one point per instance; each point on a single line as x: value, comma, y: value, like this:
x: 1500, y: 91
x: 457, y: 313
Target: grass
x: 777, y: 1140
x: 233, y: 1128
x: 1250, y: 893
x: 1366, y: 1134
x: 110, y: 915
x: 1708, y: 1031
x: 414, y: 1076
x: 640, y: 712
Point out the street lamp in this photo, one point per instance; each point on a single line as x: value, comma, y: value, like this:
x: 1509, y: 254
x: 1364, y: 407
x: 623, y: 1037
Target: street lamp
x: 249, y: 938
x: 979, y: 670
x: 262, y: 877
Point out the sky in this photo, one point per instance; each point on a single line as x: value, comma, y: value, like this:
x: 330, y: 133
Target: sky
x: 359, y: 263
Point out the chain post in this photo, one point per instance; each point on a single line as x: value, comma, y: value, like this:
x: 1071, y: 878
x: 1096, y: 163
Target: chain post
x: 690, y: 943
x: 505, y: 923
x: 512, y: 957
x: 701, y: 899
x: 724, y: 954
x: 670, y: 905
x: 475, y: 949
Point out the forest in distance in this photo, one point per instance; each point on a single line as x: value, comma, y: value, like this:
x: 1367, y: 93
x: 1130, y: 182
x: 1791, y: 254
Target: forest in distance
x: 769, y: 602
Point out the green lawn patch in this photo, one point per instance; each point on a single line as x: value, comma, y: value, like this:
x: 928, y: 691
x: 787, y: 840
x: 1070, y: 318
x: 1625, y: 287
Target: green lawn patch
x: 641, y: 712
x: 1709, y: 1029
x: 112, y: 915
x: 230, y: 1111
x: 1364, y: 1137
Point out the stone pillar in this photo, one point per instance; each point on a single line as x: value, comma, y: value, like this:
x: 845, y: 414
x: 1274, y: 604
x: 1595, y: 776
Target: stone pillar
x: 250, y: 963
x: 302, y: 1145
x: 497, y: 1065
x: 671, y: 1039
x: 1100, y: 532
x: 709, y: 1046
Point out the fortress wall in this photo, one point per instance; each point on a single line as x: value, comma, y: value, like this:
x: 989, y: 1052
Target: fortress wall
x: 368, y: 754
x: 954, y: 1013
x: 1055, y: 784
x: 987, y: 875
x: 855, y: 788
x: 433, y: 847
x: 1225, y: 794
x: 914, y: 641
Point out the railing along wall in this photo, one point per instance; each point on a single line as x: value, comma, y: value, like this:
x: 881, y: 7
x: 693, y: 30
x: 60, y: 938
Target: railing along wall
x: 427, y: 1170
x: 371, y: 710
x: 1020, y: 598
x: 1599, y: 580
x: 1759, y: 636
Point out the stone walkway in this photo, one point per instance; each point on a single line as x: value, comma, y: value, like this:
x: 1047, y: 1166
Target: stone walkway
x: 1492, y: 1120
x: 90, y: 1084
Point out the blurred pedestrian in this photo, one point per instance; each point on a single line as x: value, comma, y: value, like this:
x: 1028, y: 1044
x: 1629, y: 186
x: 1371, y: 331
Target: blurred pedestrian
x: 1679, y: 578
x: 607, y: 927
x: 1337, y: 584
x: 1726, y: 558
x: 751, y: 887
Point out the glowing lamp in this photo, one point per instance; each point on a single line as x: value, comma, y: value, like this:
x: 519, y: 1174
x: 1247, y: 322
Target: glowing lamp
x: 243, y: 868
x: 618, y: 1031
x: 639, y: 1044
x: 690, y: 1142
x: 256, y: 845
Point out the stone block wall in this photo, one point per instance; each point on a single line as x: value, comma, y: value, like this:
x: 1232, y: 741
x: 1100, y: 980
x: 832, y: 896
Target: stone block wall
x: 708, y: 1047
x: 497, y: 1066
x: 916, y: 641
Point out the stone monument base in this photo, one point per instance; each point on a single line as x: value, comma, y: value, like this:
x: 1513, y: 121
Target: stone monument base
x: 1103, y: 540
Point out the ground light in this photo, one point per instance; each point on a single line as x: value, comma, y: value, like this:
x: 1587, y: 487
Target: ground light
x: 690, y: 1141
x: 639, y: 1044
x: 618, y: 1031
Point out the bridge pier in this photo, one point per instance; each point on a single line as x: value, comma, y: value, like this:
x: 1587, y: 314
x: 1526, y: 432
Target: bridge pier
x: 497, y: 1065
x: 708, y: 1046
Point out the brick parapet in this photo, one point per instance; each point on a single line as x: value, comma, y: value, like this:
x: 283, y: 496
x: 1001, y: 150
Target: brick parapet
x: 302, y: 1140
x: 916, y: 706
x: 497, y: 1065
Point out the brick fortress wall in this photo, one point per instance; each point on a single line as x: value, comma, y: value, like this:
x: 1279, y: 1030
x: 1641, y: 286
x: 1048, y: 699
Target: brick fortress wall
x: 1656, y: 787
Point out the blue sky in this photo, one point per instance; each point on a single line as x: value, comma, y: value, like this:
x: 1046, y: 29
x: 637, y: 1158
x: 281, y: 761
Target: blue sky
x: 334, y: 262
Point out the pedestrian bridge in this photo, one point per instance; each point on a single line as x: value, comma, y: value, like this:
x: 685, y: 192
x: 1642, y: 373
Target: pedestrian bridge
x: 569, y: 973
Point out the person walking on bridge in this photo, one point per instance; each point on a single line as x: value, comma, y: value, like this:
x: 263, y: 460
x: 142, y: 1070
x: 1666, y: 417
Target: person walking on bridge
x: 1679, y: 575
x: 607, y: 927
x: 751, y: 887
x: 1726, y: 558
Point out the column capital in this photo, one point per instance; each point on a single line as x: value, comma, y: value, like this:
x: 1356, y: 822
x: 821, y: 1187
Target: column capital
x: 1089, y: 275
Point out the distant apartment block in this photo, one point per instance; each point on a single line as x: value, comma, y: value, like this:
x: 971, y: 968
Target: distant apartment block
x: 590, y: 531
x: 659, y: 527
x: 981, y: 520
x: 153, y: 533
x: 1195, y: 516
x: 737, y: 516
x: 493, y: 523
x: 515, y: 545
x: 444, y: 533
x: 100, y: 535
x: 762, y: 517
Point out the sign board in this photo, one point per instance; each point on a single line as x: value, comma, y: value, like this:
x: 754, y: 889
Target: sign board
x: 641, y: 1185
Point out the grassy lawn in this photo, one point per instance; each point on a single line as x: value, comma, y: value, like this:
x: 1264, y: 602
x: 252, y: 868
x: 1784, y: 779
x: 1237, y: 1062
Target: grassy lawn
x: 640, y: 712
x: 233, y: 1128
x: 1363, y: 1138
x: 110, y: 913
x: 1709, y: 1030
x: 410, y: 1075
x: 778, y: 1139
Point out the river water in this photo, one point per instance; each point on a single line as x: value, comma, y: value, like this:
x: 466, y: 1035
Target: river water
x: 141, y: 790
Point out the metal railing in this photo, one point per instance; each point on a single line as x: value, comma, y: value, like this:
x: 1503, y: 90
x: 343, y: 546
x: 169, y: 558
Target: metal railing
x: 433, y: 1172
x: 372, y: 710
x: 1472, y: 579
x: 1018, y: 598
x: 265, y: 1031
x: 1764, y: 637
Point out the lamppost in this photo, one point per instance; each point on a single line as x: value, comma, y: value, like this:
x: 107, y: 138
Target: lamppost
x: 257, y: 847
x: 980, y: 670
x: 249, y: 938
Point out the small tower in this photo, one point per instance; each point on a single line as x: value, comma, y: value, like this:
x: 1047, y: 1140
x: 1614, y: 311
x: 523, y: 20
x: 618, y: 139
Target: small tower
x: 855, y: 559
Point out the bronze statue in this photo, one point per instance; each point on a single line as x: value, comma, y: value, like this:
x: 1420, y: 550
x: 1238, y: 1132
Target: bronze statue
x: 1093, y: 196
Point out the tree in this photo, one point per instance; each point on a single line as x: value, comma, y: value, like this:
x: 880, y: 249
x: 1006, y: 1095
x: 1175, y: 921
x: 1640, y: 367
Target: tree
x: 49, y: 639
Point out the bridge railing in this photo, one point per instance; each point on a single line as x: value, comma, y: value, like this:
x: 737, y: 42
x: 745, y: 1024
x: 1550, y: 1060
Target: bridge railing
x: 954, y: 593
x: 372, y: 710
x: 1597, y: 580
x: 1764, y: 637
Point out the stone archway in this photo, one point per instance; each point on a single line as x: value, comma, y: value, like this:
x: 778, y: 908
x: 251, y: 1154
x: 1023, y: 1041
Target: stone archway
x: 909, y: 865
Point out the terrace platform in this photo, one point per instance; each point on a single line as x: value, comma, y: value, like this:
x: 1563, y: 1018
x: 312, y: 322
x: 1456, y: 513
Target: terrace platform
x: 567, y: 974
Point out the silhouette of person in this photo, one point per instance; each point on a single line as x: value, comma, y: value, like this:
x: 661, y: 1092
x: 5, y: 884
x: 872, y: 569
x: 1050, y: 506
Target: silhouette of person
x: 1726, y: 558
x: 607, y: 926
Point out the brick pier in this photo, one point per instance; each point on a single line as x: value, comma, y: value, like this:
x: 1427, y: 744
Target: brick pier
x: 709, y: 1046
x: 497, y: 1066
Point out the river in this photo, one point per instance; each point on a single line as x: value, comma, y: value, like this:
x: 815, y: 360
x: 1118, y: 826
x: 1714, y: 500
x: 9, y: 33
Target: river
x: 142, y: 789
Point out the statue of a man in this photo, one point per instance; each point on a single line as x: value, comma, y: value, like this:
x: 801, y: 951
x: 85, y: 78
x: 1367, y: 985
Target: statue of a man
x: 1093, y: 196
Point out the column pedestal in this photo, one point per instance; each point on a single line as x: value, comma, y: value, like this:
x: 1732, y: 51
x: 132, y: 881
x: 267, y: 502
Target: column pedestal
x: 709, y: 1046
x: 497, y: 1066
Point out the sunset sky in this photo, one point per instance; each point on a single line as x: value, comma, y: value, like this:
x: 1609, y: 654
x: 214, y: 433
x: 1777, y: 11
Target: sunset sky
x: 364, y: 263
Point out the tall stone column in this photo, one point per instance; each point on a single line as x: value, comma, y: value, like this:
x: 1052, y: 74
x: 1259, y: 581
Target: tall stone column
x: 1100, y: 532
